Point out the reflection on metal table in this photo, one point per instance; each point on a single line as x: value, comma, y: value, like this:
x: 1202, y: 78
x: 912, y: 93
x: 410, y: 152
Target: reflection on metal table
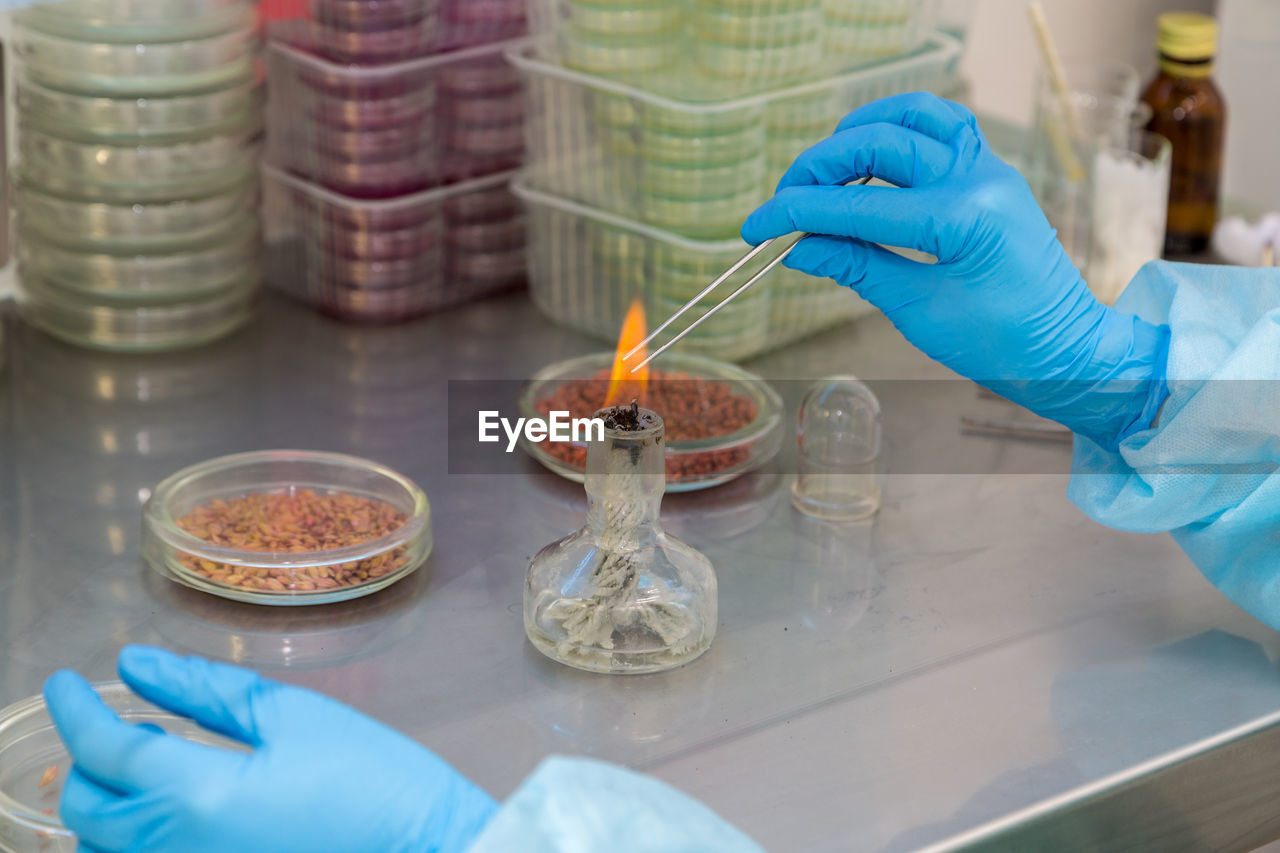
x: 981, y: 665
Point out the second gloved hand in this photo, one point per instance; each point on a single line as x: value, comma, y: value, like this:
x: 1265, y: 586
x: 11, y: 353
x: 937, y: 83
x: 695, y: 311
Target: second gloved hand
x: 320, y: 775
x: 1004, y: 305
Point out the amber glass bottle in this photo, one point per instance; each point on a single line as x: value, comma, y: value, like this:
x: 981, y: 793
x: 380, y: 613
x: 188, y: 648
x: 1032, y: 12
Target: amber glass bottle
x: 1189, y: 111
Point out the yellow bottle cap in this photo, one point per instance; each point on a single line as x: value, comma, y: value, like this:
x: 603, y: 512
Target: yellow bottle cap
x: 1187, y: 36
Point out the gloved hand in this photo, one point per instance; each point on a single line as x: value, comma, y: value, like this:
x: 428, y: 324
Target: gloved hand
x: 1004, y: 305
x: 320, y: 776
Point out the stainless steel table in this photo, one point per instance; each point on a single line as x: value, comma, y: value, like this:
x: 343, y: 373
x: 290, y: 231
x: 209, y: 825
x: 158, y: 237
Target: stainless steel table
x: 980, y: 666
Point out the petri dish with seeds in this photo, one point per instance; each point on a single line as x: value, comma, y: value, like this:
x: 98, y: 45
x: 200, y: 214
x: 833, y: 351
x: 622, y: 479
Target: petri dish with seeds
x: 287, y: 527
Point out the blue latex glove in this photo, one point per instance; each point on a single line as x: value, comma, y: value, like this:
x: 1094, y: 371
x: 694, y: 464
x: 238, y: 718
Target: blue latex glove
x: 1004, y: 305
x: 320, y: 776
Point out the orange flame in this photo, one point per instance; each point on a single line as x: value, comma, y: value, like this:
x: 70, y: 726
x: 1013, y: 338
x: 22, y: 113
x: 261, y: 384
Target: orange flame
x: 624, y: 386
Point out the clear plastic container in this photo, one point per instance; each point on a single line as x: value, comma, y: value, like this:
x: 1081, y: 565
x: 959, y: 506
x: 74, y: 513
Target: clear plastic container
x: 392, y: 259
x: 384, y: 131
x: 586, y: 266
x: 691, y: 463
x: 114, y: 228
x: 112, y: 324
x: 609, y: 144
x: 31, y: 752
x: 286, y: 578
x: 76, y: 116
x: 734, y: 47
x: 137, y: 68
x: 138, y: 20
x: 140, y: 172
x: 165, y: 277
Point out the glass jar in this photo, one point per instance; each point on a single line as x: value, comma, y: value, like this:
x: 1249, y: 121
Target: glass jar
x: 620, y: 595
x: 1189, y: 111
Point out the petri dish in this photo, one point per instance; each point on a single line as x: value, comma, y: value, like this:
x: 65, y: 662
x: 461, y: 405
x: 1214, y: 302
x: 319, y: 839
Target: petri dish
x: 413, y: 242
x: 760, y: 65
x: 504, y: 142
x: 118, y: 227
x: 495, y: 235
x: 380, y: 306
x: 77, y: 116
x: 597, y: 53
x: 120, y: 326
x: 393, y: 44
x: 489, y: 269
x: 735, y: 146
x: 147, y: 277
x: 359, y: 113
x: 673, y: 181
x: 31, y: 750
x: 364, y: 143
x: 138, y: 20
x: 333, y: 210
x: 350, y: 489
x: 781, y: 27
x: 333, y: 272
x: 874, y: 11
x: 361, y: 15
x: 865, y: 41
x: 139, y: 69
x: 802, y: 114
x: 492, y: 17
x: 374, y: 178
x: 702, y: 218
x: 499, y: 108
x: 664, y: 120
x: 139, y: 172
x: 691, y: 464
x: 619, y: 18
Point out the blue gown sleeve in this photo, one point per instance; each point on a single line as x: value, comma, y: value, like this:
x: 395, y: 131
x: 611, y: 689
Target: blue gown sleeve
x: 574, y: 805
x: 1206, y: 469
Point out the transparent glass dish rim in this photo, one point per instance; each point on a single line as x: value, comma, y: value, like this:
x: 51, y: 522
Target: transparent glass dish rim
x: 763, y: 430
x: 115, y: 694
x: 11, y: 809
x: 158, y: 518
x: 937, y: 48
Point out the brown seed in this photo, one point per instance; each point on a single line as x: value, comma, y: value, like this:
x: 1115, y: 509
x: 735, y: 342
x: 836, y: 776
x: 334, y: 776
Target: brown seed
x: 50, y: 774
x: 301, y: 521
x: 692, y: 407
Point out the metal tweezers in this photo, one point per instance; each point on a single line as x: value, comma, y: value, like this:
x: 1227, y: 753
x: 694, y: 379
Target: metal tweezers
x: 739, y: 264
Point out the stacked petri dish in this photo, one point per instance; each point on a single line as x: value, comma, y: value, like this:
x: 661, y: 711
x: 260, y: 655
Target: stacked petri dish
x: 370, y: 32
x: 733, y: 48
x: 632, y: 193
x: 139, y: 127
x: 387, y: 186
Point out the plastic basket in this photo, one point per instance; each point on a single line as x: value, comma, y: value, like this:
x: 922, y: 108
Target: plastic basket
x: 742, y: 46
x: 692, y: 167
x: 390, y: 260
x: 387, y: 130
x: 586, y: 265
